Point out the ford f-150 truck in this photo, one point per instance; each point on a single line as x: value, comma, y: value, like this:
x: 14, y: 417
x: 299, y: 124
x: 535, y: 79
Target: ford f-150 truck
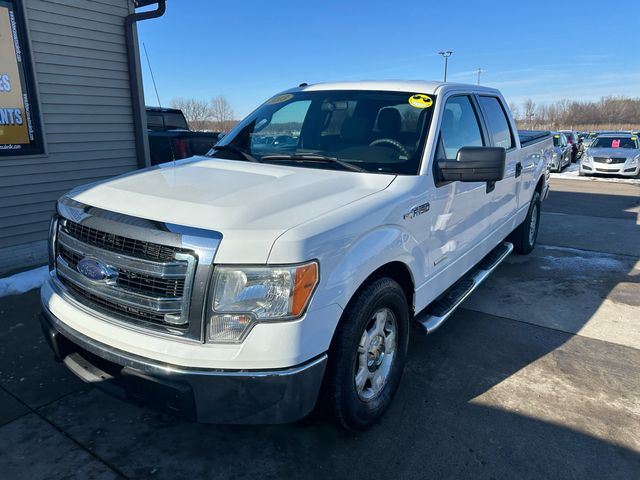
x: 244, y: 285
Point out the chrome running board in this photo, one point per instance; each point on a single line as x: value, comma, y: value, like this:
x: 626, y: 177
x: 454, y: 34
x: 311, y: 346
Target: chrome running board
x: 435, y: 314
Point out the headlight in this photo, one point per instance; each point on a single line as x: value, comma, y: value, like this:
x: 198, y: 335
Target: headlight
x: 634, y: 161
x: 556, y: 156
x: 244, y: 296
x: 587, y: 160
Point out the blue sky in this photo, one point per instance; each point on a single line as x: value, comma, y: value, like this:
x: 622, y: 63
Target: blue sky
x: 249, y: 50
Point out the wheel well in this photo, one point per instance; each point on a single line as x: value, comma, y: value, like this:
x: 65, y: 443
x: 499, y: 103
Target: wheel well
x: 399, y: 272
x: 540, y: 185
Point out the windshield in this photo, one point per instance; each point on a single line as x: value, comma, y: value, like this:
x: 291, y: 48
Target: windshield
x: 379, y: 132
x: 616, y: 142
x: 557, y: 141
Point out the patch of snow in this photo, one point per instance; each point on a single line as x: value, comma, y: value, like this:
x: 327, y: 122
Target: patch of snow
x: 571, y: 173
x: 579, y: 260
x: 23, y: 282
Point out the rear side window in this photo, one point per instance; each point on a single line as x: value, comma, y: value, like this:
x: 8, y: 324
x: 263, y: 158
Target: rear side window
x: 175, y: 121
x: 497, y: 122
x: 459, y: 127
x: 154, y: 121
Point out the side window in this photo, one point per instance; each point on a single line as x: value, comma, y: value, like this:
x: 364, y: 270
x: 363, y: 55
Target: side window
x: 459, y: 127
x: 155, y: 121
x: 497, y: 122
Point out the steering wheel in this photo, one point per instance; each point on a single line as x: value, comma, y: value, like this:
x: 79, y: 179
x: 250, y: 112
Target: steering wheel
x: 392, y: 142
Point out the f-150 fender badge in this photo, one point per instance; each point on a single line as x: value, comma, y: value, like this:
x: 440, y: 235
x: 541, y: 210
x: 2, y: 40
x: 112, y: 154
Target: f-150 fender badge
x: 415, y: 211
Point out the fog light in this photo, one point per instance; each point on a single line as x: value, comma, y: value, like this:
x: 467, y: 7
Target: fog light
x: 227, y: 327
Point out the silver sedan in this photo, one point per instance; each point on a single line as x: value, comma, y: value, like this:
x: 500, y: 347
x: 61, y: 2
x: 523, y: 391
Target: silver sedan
x: 612, y: 154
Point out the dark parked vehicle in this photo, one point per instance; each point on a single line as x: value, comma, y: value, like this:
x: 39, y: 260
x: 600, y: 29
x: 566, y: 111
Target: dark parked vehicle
x: 170, y: 137
x: 572, y: 138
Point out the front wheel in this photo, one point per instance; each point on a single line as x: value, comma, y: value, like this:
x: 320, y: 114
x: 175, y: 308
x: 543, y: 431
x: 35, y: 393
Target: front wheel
x: 367, y: 355
x: 525, y: 235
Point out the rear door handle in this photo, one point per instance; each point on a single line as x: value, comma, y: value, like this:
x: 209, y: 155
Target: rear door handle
x: 518, y: 169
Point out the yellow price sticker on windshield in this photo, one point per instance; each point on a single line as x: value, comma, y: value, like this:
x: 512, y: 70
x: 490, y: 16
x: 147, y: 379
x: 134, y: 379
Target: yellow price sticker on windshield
x: 420, y: 100
x: 280, y: 99
x: 634, y: 138
x: 556, y: 136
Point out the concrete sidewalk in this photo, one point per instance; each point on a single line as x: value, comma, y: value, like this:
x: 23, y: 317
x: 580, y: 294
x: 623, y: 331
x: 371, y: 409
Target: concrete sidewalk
x: 536, y: 377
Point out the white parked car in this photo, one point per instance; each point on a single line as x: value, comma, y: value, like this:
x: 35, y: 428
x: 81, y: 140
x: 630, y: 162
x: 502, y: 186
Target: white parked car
x: 239, y: 286
x: 612, y: 154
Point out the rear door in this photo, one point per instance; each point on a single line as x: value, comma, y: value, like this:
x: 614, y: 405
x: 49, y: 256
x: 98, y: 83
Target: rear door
x: 504, y: 199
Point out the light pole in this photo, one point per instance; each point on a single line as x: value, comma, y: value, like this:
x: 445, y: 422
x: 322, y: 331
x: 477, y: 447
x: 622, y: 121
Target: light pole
x: 479, y: 72
x: 445, y: 54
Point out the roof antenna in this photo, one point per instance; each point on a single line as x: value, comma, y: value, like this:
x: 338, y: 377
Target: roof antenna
x: 155, y: 87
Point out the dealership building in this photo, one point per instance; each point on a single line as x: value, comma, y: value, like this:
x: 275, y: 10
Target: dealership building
x: 71, y: 109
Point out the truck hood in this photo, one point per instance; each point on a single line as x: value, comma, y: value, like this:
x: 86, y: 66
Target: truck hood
x: 250, y: 204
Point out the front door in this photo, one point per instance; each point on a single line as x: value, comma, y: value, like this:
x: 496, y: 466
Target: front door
x: 460, y: 211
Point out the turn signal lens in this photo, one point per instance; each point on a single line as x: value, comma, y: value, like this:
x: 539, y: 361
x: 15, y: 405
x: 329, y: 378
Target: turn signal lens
x: 306, y: 279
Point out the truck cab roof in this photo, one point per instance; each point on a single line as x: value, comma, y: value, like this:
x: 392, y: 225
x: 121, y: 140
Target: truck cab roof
x: 422, y: 86
x: 163, y: 110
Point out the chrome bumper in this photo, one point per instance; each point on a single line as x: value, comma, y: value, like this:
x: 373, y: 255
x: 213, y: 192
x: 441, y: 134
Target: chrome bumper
x: 209, y: 396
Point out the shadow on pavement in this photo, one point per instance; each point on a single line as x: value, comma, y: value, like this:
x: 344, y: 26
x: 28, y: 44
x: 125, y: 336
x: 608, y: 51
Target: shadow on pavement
x: 440, y: 425
x: 594, y: 204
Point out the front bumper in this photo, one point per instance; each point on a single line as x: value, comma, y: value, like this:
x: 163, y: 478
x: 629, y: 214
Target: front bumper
x: 209, y: 396
x: 609, y: 169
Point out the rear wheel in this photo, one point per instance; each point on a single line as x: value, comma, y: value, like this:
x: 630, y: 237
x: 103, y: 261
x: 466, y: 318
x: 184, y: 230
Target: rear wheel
x: 367, y: 355
x: 525, y: 235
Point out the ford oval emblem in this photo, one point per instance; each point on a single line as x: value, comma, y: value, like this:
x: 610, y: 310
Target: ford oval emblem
x: 95, y: 270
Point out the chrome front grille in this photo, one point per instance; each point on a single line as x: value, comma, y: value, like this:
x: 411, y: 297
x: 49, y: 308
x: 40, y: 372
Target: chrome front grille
x: 118, y: 243
x: 606, y: 160
x: 151, y: 284
x: 138, y: 282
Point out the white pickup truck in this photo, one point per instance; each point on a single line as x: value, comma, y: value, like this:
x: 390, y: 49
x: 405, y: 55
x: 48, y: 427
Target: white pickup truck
x: 244, y: 285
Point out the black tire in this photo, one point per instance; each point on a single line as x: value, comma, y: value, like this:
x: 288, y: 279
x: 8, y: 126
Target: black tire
x: 522, y: 239
x: 339, y: 393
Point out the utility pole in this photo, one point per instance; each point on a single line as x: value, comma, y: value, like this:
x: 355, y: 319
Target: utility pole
x: 479, y: 72
x: 445, y: 54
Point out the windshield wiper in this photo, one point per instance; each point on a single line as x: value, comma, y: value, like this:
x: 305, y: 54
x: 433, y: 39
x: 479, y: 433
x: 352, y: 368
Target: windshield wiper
x: 312, y: 157
x: 232, y: 148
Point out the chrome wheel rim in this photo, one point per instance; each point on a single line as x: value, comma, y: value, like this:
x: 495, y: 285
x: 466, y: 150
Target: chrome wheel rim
x: 376, y: 354
x: 533, y: 226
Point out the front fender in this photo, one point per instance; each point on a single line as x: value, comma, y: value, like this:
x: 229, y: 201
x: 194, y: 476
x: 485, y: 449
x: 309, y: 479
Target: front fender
x: 367, y: 254
x: 348, y: 257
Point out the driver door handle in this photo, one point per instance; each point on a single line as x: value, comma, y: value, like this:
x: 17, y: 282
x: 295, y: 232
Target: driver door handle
x: 518, y: 169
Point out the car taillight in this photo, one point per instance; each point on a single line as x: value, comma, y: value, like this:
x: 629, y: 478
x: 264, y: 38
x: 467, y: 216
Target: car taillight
x: 181, y: 148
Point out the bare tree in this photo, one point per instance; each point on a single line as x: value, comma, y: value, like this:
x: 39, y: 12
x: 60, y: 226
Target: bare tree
x: 515, y: 110
x: 529, y: 111
x: 197, y: 112
x: 221, y: 113
x: 607, y: 113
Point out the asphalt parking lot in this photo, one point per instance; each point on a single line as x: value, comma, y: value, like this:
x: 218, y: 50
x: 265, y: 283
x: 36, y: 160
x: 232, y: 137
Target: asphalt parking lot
x: 538, y: 376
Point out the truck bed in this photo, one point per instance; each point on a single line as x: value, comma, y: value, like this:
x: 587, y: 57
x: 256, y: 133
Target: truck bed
x: 529, y: 137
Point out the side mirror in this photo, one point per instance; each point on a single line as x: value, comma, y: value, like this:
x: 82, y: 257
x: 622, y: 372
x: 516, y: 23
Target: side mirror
x: 474, y: 164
